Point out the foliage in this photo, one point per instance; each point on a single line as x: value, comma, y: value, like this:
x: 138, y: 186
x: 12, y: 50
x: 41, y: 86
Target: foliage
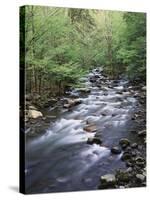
x: 133, y: 50
x: 62, y: 44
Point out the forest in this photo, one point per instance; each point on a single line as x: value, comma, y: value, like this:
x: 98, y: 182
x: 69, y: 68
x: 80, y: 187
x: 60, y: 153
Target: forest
x: 84, y: 107
x: 62, y: 44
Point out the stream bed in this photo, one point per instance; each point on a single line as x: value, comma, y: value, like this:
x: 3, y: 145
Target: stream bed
x: 60, y: 160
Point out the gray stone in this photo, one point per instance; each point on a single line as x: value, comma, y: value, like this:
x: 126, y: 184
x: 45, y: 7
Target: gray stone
x: 121, y: 187
x: 126, y: 156
x: 140, y: 177
x: 134, y: 145
x: 129, y: 169
x: 140, y: 161
x: 72, y: 102
x: 94, y: 140
x: 32, y: 107
x: 90, y: 128
x: 124, y: 142
x: 108, y: 180
x: 83, y: 90
x: 116, y: 150
x: 66, y: 105
x: 142, y: 133
x: 144, y: 88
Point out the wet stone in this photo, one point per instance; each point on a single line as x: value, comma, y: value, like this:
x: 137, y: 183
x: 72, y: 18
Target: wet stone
x: 90, y: 128
x: 129, y: 164
x: 84, y: 90
x: 140, y: 177
x: 140, y: 162
x: 126, y: 156
x: 144, y: 88
x: 142, y: 133
x: 107, y: 181
x: 124, y: 142
x: 94, y: 140
x: 134, y: 145
x: 115, y: 150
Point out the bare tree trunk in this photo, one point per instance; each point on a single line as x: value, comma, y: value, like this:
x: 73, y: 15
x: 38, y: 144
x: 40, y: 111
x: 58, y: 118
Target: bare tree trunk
x: 109, y: 40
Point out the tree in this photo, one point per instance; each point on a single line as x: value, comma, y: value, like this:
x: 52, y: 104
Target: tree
x: 133, y: 50
x: 62, y: 44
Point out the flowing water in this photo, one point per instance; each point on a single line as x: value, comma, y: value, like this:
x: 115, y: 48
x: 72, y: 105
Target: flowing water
x: 61, y: 160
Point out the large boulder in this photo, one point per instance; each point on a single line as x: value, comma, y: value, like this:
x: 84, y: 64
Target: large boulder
x: 33, y: 114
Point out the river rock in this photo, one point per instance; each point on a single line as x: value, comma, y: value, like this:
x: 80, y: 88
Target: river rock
x: 119, y: 92
x: 72, y: 102
x: 47, y: 119
x: 90, y: 128
x: 140, y: 177
x: 32, y: 107
x: 94, y: 140
x: 126, y: 156
x: 121, y: 187
x: 52, y: 100
x: 129, y: 163
x: 142, y: 133
x: 107, y: 180
x: 83, y: 90
x: 110, y: 86
x: 134, y: 145
x: 115, y: 150
x: 129, y: 170
x: 133, y: 131
x: 66, y: 105
x: 124, y: 142
x: 34, y: 114
x: 114, y: 114
x: 98, y: 134
x: 144, y: 88
x: 140, y: 161
x: 93, y: 79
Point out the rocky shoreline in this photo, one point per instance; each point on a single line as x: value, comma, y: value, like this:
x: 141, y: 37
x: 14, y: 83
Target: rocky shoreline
x: 134, y: 154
